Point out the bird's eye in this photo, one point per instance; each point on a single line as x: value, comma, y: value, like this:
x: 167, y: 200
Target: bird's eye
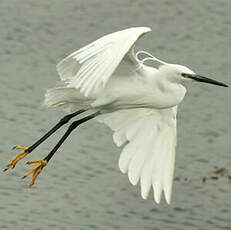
x: 184, y: 75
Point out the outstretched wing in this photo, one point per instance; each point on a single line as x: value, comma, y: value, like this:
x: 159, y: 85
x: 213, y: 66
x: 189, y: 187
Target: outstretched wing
x: 149, y: 139
x: 90, y: 67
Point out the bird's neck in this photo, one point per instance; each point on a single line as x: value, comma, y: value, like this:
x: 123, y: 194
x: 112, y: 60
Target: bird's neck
x: 172, y: 93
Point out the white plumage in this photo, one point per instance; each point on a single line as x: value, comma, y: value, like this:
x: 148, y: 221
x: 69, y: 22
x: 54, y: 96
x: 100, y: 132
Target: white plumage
x: 139, y: 103
x: 149, y: 152
x: 99, y: 59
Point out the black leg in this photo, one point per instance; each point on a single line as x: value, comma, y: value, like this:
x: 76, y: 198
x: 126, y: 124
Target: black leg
x: 27, y: 150
x: 73, y: 125
x: 62, y: 122
x: 43, y: 162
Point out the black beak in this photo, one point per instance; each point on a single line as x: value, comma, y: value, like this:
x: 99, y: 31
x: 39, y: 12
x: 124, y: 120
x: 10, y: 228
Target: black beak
x: 206, y: 80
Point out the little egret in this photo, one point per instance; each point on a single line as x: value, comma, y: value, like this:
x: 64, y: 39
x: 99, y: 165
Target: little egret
x: 107, y: 81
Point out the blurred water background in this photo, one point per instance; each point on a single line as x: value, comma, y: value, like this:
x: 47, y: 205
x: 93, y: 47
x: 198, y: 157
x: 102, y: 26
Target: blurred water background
x: 82, y: 187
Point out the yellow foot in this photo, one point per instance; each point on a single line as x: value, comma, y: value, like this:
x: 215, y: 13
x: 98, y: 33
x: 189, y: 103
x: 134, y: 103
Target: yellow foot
x: 18, y: 157
x: 36, y: 170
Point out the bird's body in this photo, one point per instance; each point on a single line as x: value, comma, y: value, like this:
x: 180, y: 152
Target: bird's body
x: 138, y: 102
x: 140, y: 90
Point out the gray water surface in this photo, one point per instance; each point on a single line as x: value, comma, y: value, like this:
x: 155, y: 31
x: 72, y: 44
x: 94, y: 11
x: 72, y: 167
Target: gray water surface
x: 82, y: 187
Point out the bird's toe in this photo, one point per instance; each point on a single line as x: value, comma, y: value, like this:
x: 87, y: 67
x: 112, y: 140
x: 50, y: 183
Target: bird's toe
x: 36, y: 170
x: 17, y: 158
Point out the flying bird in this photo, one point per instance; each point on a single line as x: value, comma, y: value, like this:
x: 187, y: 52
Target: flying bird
x: 107, y: 81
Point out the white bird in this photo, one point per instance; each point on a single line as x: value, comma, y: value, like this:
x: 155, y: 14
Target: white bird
x: 105, y: 80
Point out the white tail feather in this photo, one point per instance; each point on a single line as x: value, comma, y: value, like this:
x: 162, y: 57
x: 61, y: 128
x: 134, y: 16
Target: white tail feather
x: 70, y: 99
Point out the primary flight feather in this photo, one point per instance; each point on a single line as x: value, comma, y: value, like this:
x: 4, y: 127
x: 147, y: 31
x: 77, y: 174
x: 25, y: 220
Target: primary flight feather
x: 105, y: 80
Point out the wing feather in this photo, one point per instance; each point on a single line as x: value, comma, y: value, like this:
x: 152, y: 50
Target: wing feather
x: 90, y: 67
x: 149, y: 139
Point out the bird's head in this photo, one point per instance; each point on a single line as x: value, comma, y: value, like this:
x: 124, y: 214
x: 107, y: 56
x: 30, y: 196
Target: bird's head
x: 180, y: 74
